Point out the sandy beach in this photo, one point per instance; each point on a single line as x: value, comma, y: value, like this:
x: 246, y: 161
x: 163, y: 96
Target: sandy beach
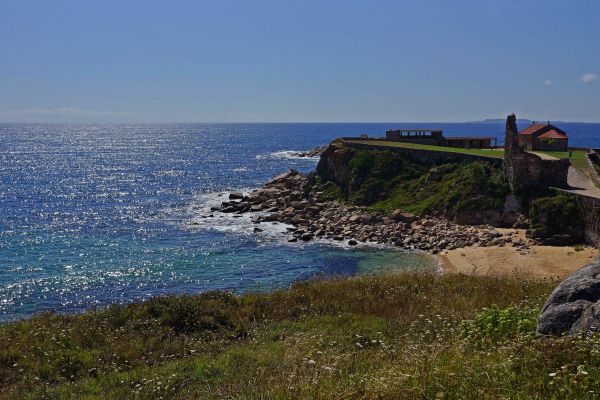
x: 535, y: 262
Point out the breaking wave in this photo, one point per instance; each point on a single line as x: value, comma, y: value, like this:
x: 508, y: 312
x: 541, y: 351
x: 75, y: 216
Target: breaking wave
x: 287, y: 155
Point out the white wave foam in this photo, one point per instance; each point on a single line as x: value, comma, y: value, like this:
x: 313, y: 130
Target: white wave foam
x: 202, y: 218
x: 287, y: 155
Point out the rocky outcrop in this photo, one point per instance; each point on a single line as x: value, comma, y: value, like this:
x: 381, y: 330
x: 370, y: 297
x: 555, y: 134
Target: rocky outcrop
x: 574, y: 306
x: 294, y: 198
x: 317, y: 151
x: 466, y: 191
x: 526, y: 170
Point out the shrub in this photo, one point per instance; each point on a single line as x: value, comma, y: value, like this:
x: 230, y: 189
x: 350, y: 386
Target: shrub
x: 500, y: 324
x: 556, y: 213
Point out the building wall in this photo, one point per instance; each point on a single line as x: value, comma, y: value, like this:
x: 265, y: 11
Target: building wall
x: 395, y: 136
x: 526, y: 142
x: 551, y: 145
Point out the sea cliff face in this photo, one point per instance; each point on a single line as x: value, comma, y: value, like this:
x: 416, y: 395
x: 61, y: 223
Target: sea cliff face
x: 467, y: 192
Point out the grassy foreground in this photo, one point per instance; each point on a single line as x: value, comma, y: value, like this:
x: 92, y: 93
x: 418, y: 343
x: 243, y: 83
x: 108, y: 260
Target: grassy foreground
x: 388, y: 337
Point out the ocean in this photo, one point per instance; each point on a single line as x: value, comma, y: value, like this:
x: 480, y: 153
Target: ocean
x: 97, y: 214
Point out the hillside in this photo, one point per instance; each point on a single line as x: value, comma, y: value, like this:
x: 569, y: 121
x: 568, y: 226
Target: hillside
x: 393, y: 336
x: 460, y: 189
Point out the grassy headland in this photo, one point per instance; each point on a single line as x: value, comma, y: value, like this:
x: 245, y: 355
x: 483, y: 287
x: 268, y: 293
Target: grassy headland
x: 471, y: 192
x: 577, y: 157
x: 494, y: 153
x: 393, y: 336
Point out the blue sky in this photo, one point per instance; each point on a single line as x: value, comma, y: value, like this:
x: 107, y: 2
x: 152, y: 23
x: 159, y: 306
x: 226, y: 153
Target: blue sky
x: 279, y: 60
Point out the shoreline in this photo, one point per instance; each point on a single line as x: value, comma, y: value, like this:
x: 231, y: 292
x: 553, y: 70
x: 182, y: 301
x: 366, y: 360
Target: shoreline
x: 539, y: 262
x: 295, y: 199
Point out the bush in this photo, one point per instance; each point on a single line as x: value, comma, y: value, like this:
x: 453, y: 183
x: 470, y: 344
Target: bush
x: 499, y: 324
x: 557, y: 213
x: 213, y: 312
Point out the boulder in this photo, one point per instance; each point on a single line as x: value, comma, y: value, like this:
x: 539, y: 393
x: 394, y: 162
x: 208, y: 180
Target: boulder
x: 354, y: 218
x: 402, y: 216
x: 574, y: 306
x: 281, y: 178
x: 236, y: 196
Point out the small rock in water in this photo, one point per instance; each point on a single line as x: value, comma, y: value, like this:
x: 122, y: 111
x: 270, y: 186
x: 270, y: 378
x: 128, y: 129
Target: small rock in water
x: 352, y: 242
x: 257, y: 230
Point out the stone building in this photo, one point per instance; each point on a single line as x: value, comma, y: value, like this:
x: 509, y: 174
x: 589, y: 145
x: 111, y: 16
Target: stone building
x: 543, y: 137
x: 525, y: 170
x: 435, y: 137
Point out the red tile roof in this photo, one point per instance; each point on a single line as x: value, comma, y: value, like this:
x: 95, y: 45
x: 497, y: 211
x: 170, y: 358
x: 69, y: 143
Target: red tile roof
x: 531, y: 129
x: 546, y: 131
x: 553, y: 135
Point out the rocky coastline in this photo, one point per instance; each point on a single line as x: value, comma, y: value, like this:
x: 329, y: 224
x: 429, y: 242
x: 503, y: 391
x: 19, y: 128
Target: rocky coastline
x: 296, y: 199
x: 317, y: 151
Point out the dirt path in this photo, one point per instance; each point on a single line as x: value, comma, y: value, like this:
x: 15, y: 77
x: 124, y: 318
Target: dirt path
x: 581, y: 183
x: 578, y: 180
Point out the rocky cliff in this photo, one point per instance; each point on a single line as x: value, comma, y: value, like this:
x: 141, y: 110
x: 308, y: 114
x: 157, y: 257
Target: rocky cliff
x: 466, y: 191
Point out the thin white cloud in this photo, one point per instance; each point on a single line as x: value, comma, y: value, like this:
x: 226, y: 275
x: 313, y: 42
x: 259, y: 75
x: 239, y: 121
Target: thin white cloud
x: 548, y: 82
x: 63, y: 113
x: 590, y: 78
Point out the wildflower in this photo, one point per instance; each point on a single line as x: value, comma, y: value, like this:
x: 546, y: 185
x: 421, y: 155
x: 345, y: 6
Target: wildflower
x: 552, y: 374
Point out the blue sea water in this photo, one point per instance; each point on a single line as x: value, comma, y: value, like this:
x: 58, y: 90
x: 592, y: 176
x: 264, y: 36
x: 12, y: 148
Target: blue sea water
x: 96, y: 214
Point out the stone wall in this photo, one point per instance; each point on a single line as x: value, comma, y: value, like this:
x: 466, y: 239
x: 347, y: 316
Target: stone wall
x: 525, y: 170
x: 593, y: 159
x: 590, y: 208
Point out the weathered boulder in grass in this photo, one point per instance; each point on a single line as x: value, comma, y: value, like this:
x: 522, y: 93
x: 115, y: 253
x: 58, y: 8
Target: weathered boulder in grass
x: 574, y: 306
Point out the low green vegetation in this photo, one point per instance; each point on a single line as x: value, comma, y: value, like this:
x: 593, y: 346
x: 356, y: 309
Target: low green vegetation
x: 494, y: 153
x: 577, y: 157
x: 387, y: 181
x: 386, y: 337
x: 555, y: 212
x: 450, y: 189
x: 467, y: 191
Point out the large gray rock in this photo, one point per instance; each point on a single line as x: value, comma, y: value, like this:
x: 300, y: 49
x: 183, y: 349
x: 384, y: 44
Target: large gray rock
x: 574, y: 306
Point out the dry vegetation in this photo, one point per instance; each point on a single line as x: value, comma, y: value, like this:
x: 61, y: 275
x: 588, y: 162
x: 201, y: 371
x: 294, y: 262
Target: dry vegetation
x: 388, y: 337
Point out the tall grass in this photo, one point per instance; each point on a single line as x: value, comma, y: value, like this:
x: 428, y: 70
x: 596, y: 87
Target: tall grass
x: 387, y: 337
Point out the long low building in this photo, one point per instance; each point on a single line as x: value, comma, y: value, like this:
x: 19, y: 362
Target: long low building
x: 435, y: 137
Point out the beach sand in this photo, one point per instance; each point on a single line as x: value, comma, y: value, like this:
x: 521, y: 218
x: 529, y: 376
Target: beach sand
x: 536, y: 262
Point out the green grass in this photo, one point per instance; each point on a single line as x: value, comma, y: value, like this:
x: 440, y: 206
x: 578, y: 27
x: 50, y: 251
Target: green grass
x: 578, y: 156
x: 494, y: 153
x: 450, y: 189
x: 578, y: 159
x: 386, y: 181
x: 385, y: 337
